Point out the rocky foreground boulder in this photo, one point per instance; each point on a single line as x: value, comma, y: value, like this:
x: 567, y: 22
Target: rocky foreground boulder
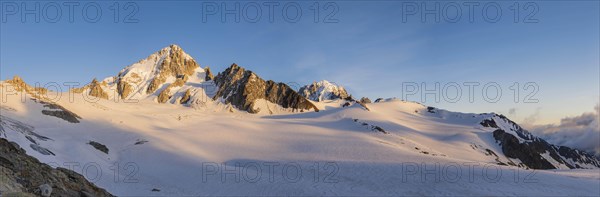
x: 242, y: 88
x: 23, y: 175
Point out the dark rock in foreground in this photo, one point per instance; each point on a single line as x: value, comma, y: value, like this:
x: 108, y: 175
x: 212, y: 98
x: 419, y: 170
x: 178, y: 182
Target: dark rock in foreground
x: 23, y: 175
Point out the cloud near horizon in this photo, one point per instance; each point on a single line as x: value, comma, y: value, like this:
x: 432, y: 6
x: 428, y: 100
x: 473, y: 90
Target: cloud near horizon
x: 581, y: 132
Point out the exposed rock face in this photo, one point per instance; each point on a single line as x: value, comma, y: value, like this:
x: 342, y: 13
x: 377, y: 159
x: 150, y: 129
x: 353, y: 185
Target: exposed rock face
x: 365, y: 100
x: 577, y: 156
x: 148, y: 76
x: 165, y: 95
x: 18, y: 83
x: 58, y: 111
x: 323, y: 90
x: 431, y: 110
x: 98, y: 146
x: 176, y: 64
x: 242, y: 88
x: 23, y: 175
x: 209, y: 75
x: 528, y: 152
x: 96, y: 90
x: 186, y: 97
x: 372, y: 127
x: 20, y: 86
x: 535, y: 152
x: 123, y: 88
x: 41, y: 150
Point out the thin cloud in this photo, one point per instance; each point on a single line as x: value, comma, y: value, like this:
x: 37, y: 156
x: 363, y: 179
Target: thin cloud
x: 581, y: 132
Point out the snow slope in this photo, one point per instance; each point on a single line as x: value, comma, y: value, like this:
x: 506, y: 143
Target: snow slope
x: 214, y: 149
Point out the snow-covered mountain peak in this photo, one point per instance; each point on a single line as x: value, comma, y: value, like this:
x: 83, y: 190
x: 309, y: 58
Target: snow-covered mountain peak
x: 323, y: 90
x: 162, y: 74
x: 151, y: 63
x: 173, y: 48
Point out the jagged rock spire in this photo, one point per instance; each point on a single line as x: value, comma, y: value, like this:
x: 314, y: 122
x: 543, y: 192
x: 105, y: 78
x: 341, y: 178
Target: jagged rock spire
x: 242, y: 88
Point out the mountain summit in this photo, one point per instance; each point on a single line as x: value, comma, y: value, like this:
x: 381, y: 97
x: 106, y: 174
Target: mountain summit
x: 158, y: 73
x: 172, y: 76
x: 323, y: 90
x: 244, y: 89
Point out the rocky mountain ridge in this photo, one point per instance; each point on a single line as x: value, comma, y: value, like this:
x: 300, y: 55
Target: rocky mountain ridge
x: 172, y: 76
x: 533, y: 151
x: 243, y: 88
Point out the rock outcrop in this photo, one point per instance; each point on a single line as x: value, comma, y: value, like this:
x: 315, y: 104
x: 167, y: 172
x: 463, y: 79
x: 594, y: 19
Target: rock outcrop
x: 365, y: 100
x: 124, y: 89
x: 20, y: 86
x: 96, y: 90
x: 534, y: 152
x: 242, y: 88
x: 209, y: 75
x: 38, y: 95
x: 165, y: 95
x: 98, y: 146
x: 23, y: 175
x: 324, y: 90
x: 58, y: 111
x: 176, y: 63
x: 186, y: 97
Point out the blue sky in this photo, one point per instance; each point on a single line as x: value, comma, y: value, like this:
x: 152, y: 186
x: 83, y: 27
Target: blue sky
x: 370, y: 50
